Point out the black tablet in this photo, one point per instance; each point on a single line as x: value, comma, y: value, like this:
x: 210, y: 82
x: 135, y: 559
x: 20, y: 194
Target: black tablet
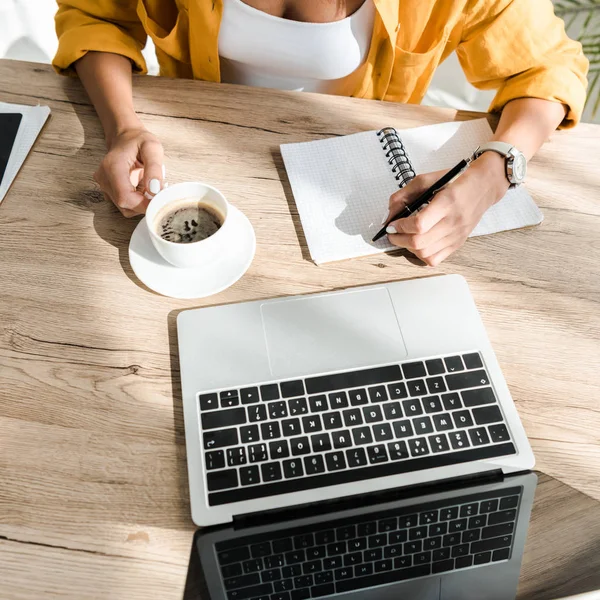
x: 9, y: 126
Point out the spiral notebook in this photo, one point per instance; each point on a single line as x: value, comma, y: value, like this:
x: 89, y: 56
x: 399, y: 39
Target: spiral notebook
x: 342, y: 185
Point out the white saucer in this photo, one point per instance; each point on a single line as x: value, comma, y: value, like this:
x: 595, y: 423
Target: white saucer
x: 198, y: 282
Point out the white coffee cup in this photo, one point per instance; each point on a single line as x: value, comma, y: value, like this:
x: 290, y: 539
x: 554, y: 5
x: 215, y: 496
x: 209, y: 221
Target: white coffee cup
x: 192, y: 254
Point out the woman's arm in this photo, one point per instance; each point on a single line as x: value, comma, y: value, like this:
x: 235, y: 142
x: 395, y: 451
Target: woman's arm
x: 442, y: 227
x: 134, y: 155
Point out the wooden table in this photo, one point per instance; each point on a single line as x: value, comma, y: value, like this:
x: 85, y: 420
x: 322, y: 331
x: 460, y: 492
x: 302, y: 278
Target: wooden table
x: 93, y: 487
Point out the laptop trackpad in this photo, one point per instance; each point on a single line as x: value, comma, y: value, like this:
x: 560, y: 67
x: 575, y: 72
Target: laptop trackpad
x: 332, y: 332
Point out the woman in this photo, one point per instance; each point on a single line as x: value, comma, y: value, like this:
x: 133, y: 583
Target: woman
x: 383, y: 49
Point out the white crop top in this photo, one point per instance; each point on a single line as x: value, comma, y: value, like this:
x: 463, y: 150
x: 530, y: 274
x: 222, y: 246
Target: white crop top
x: 262, y: 50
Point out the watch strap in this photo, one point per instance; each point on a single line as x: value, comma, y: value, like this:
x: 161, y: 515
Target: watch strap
x: 502, y: 148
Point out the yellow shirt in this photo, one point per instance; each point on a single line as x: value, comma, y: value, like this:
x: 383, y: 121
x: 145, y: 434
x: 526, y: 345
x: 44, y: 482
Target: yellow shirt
x: 518, y: 47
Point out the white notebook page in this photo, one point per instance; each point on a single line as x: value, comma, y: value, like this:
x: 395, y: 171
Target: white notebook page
x: 342, y: 186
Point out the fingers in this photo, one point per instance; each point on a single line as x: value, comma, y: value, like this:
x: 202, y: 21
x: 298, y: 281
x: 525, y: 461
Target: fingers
x: 423, y: 221
x: 438, y: 257
x: 114, y: 178
x: 152, y: 157
x: 407, y: 194
x: 423, y: 243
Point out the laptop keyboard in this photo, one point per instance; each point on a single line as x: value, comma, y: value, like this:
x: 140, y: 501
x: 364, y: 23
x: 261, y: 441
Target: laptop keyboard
x: 337, y: 557
x: 287, y: 436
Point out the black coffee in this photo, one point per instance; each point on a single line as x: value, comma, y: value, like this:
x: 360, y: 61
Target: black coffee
x: 188, y: 221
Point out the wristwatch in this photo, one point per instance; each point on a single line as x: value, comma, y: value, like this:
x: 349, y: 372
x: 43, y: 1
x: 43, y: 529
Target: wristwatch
x: 515, y: 161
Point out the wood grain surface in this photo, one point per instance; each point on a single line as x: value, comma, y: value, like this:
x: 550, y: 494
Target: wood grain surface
x: 93, y: 486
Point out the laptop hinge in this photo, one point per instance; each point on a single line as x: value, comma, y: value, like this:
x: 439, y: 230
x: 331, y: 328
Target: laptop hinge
x: 301, y: 511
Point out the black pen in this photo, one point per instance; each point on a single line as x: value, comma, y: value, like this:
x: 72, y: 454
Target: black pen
x: 428, y: 195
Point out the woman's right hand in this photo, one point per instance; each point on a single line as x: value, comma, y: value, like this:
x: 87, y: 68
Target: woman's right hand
x: 132, y: 171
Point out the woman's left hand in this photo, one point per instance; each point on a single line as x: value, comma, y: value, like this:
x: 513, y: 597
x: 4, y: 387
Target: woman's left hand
x: 442, y: 227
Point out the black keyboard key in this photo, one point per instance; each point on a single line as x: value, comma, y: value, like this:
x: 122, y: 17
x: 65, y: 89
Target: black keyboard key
x: 312, y: 423
x: 314, y: 464
x: 432, y: 404
x: 303, y: 580
x: 315, y: 552
x: 295, y: 557
x: 367, y: 528
x: 482, y: 558
x: 442, y: 566
x: 378, y: 540
x: 413, y: 547
x: 398, y: 537
x: 459, y: 440
x: 249, y: 475
x: 228, y: 394
x: 234, y: 555
x: 408, y: 521
x: 306, y: 540
x: 504, y: 516
x: 451, y: 401
x: 271, y: 575
x: 270, y: 431
x: 478, y: 397
x: 398, y: 450
x: 457, y: 525
x: 439, y: 528
x: 462, y: 419
x: 231, y: 570
x: 260, y: 550
x: 362, y: 435
x: 397, y: 391
x: 436, y: 385
x: 443, y: 422
x: 282, y: 589
x: 454, y: 363
x: 509, y: 502
x: 356, y: 457
x: 221, y: 480
x: 392, y: 411
x: 323, y: 577
x: 438, y: 443
x: 352, y: 417
x: 485, y: 415
x: 282, y: 545
x: 378, y: 393
x: 448, y: 514
x: 377, y: 454
x: 389, y: 524
x: 335, y: 461
x: 292, y: 468
x: 478, y: 521
x: 499, y: 433
x: 291, y: 571
x: 479, y: 436
x: 313, y: 566
x: 383, y: 432
x: 277, y: 410
x: 297, y: 406
x: 341, y: 439
x: 270, y: 391
x: 467, y: 379
x: 422, y: 425
x: 344, y: 573
x: 209, y: 401
x: 320, y: 442
x: 318, y: 403
x: 364, y: 569
x: 338, y: 400
x: 460, y: 550
x: 471, y: 535
x: 257, y: 412
x: 432, y: 543
x: 270, y: 471
x: 464, y: 561
x: 501, y: 554
x: 422, y: 558
x: 387, y: 577
x: 353, y: 379
x: 488, y: 506
x: 300, y: 446
x: 417, y: 533
x: 358, y: 397
x: 223, y: 418
x: 332, y: 420
x: 416, y: 387
x: 435, y: 366
x: 256, y: 591
x: 290, y: 389
x: 327, y: 589
x: 412, y: 408
x: 372, y: 414
x: 441, y: 554
x: 357, y: 544
x: 220, y: 439
x: 383, y: 565
x: 414, y: 370
x: 469, y: 510
x: 249, y: 434
x: 279, y: 449
x: 492, y: 544
x: 418, y: 447
x: 236, y: 457
x: 403, y: 429
x: 354, y: 558
x: 215, y: 460
x: 497, y: 530
x: 402, y: 562
x: 249, y: 395
x: 451, y: 539
x: 472, y: 361
x: 373, y: 554
x: 229, y: 402
x: 257, y: 453
x: 291, y: 427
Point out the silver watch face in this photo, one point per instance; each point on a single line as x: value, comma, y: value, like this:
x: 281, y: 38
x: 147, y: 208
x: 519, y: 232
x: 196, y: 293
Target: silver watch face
x: 519, y: 168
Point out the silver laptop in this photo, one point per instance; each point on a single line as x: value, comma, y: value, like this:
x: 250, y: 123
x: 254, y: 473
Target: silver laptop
x: 308, y: 399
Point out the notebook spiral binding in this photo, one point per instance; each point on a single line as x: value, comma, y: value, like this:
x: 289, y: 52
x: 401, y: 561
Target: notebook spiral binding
x: 396, y: 154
